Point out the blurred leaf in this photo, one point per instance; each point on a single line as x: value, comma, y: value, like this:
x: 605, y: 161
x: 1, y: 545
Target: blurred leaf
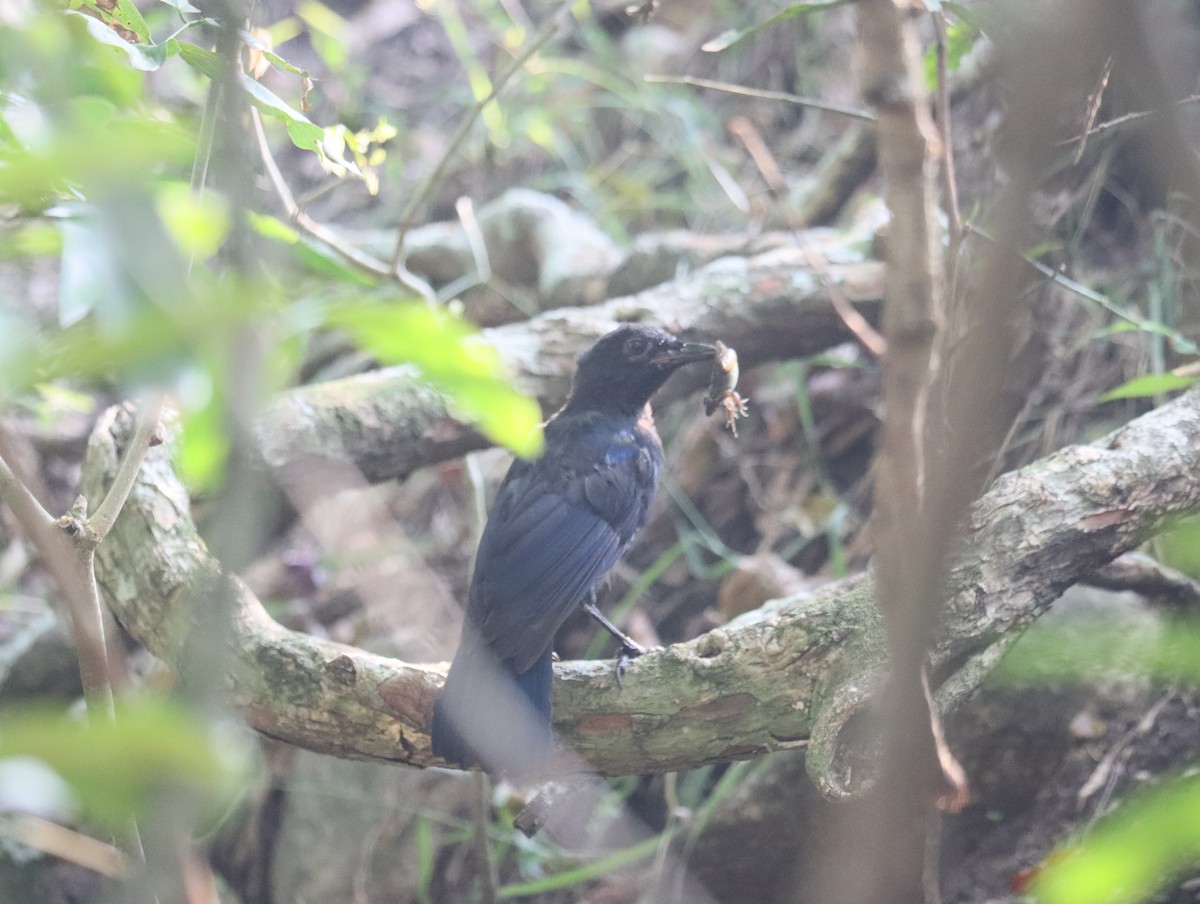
x: 115, y: 769
x: 101, y: 157
x: 1095, y: 650
x: 453, y: 356
x: 198, y: 224
x: 1133, y: 854
x: 1148, y: 385
x: 88, y: 274
x: 727, y: 39
x: 316, y: 256
x: 25, y: 241
x: 1179, y: 546
x: 960, y: 38
x: 205, y: 446
x: 183, y: 6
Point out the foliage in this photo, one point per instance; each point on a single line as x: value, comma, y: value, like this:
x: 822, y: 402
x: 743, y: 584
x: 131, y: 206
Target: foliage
x: 165, y: 274
x: 116, y: 769
x: 1133, y: 854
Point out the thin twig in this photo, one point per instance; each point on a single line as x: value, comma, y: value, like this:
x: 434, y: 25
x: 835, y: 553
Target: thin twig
x: 485, y: 867
x: 1147, y: 577
x: 204, y: 143
x: 50, y: 838
x: 949, y: 181
x: 28, y: 511
x: 106, y: 513
x: 1126, y: 119
x: 354, y: 256
x: 761, y: 155
x: 1076, y: 288
x: 728, y: 88
x: 1093, y: 108
x: 425, y: 186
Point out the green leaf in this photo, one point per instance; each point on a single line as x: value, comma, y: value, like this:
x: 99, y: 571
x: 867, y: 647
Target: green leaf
x: 727, y: 39
x: 1131, y: 855
x: 206, y: 62
x: 452, y: 356
x: 304, y: 133
x: 146, y: 57
x: 124, y: 14
x: 252, y: 40
x: 116, y: 769
x: 960, y: 38
x: 101, y: 157
x: 1148, y: 385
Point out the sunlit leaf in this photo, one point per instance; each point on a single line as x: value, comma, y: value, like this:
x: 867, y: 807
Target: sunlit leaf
x: 146, y: 57
x: 1133, y: 854
x: 123, y: 14
x: 104, y: 158
x: 1148, y: 385
x: 115, y: 769
x: 453, y: 357
x: 304, y: 133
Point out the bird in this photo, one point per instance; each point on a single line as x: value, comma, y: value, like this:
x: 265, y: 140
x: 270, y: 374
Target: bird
x: 558, y: 524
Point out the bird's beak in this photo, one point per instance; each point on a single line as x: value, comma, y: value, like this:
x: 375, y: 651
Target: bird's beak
x: 680, y: 353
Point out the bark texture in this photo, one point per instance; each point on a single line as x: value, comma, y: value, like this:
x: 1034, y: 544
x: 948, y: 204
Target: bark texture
x: 795, y: 671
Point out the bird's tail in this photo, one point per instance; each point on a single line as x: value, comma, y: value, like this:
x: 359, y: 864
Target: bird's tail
x: 489, y: 715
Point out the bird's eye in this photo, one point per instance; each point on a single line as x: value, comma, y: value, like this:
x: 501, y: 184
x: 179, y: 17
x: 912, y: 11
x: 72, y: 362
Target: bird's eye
x: 635, y: 348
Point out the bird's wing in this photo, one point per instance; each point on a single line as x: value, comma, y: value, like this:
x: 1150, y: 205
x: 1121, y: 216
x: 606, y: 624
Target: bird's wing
x: 556, y: 528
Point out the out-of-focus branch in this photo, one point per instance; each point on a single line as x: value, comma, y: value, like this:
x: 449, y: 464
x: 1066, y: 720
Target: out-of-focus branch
x: 1141, y: 574
x: 106, y: 513
x: 911, y: 531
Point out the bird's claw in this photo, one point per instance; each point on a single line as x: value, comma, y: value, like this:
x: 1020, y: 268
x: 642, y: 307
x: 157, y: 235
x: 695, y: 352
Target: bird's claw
x: 630, y: 652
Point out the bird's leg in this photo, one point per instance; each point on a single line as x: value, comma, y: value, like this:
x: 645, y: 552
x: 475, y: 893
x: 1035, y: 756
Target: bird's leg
x: 630, y: 648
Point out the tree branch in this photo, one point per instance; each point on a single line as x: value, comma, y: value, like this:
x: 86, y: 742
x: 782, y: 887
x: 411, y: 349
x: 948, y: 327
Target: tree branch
x: 389, y: 422
x: 106, y: 513
x: 796, y: 669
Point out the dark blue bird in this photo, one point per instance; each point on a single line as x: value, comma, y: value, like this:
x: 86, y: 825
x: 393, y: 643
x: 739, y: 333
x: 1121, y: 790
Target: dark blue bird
x: 557, y: 526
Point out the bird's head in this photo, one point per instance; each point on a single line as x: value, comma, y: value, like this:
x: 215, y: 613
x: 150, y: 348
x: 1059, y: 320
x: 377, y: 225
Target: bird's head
x: 627, y: 366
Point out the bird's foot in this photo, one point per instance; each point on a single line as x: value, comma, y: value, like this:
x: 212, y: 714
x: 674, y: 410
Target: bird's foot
x: 629, y: 652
